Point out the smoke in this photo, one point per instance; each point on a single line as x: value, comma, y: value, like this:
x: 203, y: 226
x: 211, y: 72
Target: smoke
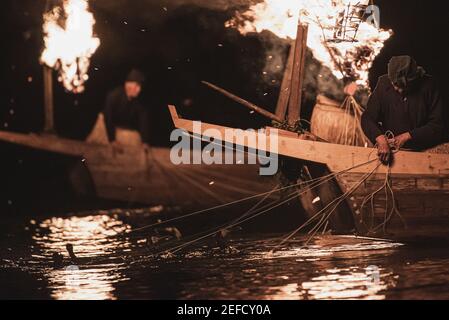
x: 274, y: 49
x: 219, y: 5
x: 214, y: 5
x: 155, y: 11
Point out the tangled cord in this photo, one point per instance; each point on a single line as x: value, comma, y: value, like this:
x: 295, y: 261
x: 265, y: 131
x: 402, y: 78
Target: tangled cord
x: 388, y: 213
x: 391, y: 137
x: 389, y: 192
x: 325, y: 213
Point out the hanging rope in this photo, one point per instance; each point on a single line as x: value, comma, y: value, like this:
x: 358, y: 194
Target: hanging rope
x: 213, y: 231
x: 370, y: 198
x: 325, y: 217
x: 352, y: 134
x: 388, y: 189
x: 242, y: 220
x: 228, y: 226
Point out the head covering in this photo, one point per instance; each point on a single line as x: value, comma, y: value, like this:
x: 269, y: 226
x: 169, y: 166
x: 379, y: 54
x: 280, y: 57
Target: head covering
x: 136, y: 76
x: 403, y: 69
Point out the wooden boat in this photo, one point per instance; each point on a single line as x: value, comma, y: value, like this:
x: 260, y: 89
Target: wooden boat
x: 419, y: 184
x: 133, y: 174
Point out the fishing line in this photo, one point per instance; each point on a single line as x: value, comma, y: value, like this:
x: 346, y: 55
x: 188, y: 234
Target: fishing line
x: 341, y: 199
x: 333, y: 175
x: 394, y: 210
x: 213, y: 231
x: 223, y: 227
x: 390, y: 136
x: 292, y: 234
x: 295, y: 195
x: 180, y: 247
x: 388, y: 189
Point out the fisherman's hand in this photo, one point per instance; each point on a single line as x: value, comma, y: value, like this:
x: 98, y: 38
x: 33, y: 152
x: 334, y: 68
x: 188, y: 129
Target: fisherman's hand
x: 383, y: 149
x: 401, y: 140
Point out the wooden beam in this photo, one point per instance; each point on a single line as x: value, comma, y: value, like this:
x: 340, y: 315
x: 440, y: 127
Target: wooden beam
x: 48, y: 143
x: 294, y: 108
x: 284, y: 94
x: 49, y: 125
x: 337, y: 157
x: 243, y: 102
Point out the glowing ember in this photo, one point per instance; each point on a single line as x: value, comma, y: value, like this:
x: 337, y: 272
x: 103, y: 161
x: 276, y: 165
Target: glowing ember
x: 70, y: 43
x: 350, y: 57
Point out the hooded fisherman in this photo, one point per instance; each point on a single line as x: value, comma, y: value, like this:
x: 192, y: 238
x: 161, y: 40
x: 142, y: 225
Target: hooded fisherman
x: 123, y: 108
x: 407, y: 103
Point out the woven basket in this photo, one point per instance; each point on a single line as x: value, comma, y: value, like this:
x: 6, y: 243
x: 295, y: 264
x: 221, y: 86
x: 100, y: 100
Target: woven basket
x: 332, y: 123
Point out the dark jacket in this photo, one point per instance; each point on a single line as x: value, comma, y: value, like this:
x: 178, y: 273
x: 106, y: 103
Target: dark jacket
x: 124, y: 113
x: 419, y: 111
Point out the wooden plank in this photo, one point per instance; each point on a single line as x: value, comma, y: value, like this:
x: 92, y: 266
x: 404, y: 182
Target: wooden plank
x: 243, y: 102
x: 284, y: 94
x: 294, y: 108
x: 48, y: 100
x: 46, y: 143
x: 67, y: 147
x: 337, y: 157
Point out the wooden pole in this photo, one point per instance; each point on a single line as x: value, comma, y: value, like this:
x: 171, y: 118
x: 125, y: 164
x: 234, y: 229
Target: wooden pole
x: 294, y: 108
x: 48, y: 100
x: 243, y: 102
x: 284, y: 94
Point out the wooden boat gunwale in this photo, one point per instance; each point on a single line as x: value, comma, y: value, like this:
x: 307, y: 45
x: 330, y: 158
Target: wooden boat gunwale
x: 337, y: 157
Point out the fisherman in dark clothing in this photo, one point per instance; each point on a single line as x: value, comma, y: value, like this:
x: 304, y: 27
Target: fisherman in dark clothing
x: 407, y: 103
x: 123, y: 108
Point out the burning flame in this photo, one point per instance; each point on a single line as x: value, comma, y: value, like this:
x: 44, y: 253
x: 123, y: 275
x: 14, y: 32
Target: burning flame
x: 70, y: 43
x: 346, y: 58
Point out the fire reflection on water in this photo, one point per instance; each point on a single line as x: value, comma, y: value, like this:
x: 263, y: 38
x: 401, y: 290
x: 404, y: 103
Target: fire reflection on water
x: 337, y: 283
x: 99, y: 268
x: 110, y: 267
x: 84, y: 284
x: 350, y: 283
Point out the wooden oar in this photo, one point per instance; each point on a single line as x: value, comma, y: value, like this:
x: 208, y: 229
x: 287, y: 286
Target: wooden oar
x: 245, y: 103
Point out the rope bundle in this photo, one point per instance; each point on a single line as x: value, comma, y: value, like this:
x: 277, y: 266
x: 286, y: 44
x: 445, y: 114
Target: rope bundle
x: 353, y: 110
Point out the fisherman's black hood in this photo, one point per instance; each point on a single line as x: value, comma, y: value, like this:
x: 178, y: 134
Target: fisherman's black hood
x: 136, y: 76
x: 403, y: 70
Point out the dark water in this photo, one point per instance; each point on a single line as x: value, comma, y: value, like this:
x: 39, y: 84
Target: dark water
x: 112, y: 267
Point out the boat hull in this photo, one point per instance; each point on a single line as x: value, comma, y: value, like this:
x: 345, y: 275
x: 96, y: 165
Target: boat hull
x: 137, y: 175
x: 422, y: 203
x: 419, y: 183
x: 149, y: 177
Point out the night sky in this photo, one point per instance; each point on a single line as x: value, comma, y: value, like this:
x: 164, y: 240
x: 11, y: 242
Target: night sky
x: 177, y: 43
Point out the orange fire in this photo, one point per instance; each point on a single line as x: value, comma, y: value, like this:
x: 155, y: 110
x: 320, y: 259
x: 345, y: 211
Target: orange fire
x: 70, y: 42
x: 351, y: 56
